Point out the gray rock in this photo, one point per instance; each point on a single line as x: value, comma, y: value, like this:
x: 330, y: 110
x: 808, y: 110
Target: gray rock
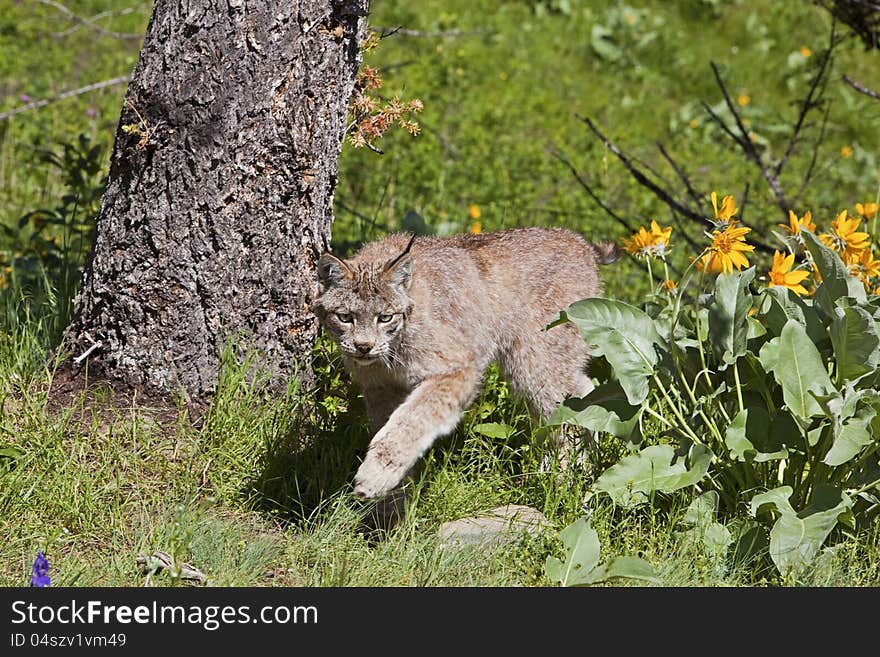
x: 502, y: 524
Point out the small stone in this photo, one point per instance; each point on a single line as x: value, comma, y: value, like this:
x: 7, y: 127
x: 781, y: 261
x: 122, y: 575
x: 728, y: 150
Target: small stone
x: 502, y: 524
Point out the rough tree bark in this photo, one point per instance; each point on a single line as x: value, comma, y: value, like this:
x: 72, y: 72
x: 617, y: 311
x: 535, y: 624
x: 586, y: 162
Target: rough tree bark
x: 219, y: 195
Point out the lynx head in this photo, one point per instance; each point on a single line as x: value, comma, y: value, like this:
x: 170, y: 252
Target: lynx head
x: 364, y: 306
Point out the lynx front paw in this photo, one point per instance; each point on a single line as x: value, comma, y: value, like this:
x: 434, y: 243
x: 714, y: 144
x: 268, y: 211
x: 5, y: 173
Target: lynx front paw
x: 376, y: 476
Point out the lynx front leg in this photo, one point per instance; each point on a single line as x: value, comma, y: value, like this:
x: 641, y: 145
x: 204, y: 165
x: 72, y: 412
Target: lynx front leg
x: 431, y: 410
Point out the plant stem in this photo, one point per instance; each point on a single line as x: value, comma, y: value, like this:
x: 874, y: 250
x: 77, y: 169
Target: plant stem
x: 676, y: 410
x: 739, y: 397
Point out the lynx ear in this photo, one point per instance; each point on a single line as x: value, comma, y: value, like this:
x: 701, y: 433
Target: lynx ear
x: 397, y: 272
x: 332, y: 270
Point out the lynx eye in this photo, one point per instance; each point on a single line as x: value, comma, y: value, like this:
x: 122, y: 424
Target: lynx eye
x: 384, y: 319
x: 345, y: 318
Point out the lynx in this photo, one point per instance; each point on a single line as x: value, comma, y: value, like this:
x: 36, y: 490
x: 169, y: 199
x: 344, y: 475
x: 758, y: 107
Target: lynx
x: 419, y: 319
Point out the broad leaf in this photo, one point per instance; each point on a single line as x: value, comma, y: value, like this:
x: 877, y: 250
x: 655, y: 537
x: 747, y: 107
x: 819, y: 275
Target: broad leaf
x: 728, y: 314
x: 605, y: 409
x: 625, y: 335
x: 631, y: 568
x: 798, y: 369
x: 795, y: 540
x: 837, y: 282
x: 856, y: 344
x: 494, y: 430
x: 581, y: 555
x: 752, y: 424
x: 781, y: 305
x: 852, y: 436
x: 713, y: 537
x: 581, y: 566
x: 631, y: 481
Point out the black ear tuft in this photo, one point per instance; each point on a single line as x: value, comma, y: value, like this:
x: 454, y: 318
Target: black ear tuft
x: 332, y: 270
x: 398, y: 271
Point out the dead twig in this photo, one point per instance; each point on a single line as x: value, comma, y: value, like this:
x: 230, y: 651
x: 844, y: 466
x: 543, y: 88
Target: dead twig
x: 583, y: 183
x: 643, y: 180
x: 36, y: 104
x: 85, y: 22
x: 745, y: 142
x: 91, y: 20
x: 861, y: 88
x: 389, y: 31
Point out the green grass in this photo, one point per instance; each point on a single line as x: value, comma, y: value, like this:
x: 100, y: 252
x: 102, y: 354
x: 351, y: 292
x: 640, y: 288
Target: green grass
x: 256, y: 490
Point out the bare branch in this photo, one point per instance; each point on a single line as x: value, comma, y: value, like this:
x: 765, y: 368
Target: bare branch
x: 87, y: 22
x: 861, y: 88
x: 658, y: 191
x: 808, y: 103
x: 748, y: 146
x: 808, y: 176
x: 583, y: 183
x: 36, y: 104
x: 643, y: 180
x: 682, y: 175
x: 388, y: 31
x: 91, y: 20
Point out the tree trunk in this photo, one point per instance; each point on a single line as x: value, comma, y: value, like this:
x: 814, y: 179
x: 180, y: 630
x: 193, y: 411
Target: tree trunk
x: 219, y: 196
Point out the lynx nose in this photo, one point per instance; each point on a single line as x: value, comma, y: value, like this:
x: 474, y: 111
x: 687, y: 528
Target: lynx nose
x: 363, y: 347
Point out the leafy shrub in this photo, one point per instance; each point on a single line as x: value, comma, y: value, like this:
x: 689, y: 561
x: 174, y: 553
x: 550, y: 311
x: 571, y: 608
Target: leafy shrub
x: 764, y: 394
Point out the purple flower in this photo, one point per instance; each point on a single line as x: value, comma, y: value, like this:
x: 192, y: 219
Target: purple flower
x: 24, y: 98
x: 40, y: 577
x: 91, y: 111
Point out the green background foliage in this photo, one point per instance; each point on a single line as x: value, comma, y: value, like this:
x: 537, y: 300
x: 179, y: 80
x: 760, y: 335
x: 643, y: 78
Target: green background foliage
x: 256, y: 493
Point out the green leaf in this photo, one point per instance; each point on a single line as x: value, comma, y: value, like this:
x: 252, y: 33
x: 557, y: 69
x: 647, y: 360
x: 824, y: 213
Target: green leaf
x: 655, y: 468
x: 749, y: 424
x: 853, y: 435
x: 798, y: 368
x: 605, y: 409
x: 581, y: 555
x: 581, y: 566
x: 728, y: 314
x: 856, y: 343
x: 837, y: 282
x: 625, y: 335
x: 703, y: 529
x: 782, y: 304
x: 631, y: 568
x: 11, y: 453
x: 494, y: 430
x: 602, y: 44
x: 795, y: 540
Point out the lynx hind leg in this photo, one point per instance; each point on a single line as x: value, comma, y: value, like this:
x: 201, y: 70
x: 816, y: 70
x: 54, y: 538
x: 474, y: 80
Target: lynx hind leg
x: 546, y: 369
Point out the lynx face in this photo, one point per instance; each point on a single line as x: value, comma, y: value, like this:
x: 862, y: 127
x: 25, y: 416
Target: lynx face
x: 365, y: 309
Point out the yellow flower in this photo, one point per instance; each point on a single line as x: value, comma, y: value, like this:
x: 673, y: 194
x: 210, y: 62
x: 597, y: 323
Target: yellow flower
x: 669, y: 285
x: 727, y: 212
x: 474, y: 212
x: 743, y: 100
x: 782, y: 276
x: 649, y: 243
x: 805, y: 52
x: 843, y: 237
x: 727, y: 251
x: 846, y: 152
x: 867, y: 210
x: 476, y: 228
x: 863, y: 266
x: 693, y: 123
x: 795, y: 225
